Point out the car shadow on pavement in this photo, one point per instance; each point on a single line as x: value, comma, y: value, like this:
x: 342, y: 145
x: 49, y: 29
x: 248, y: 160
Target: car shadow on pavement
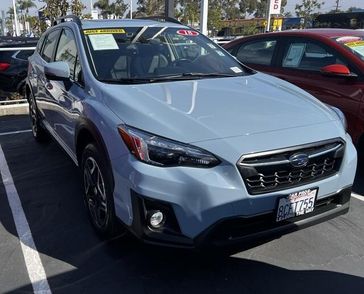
x: 76, y: 260
x: 137, y: 268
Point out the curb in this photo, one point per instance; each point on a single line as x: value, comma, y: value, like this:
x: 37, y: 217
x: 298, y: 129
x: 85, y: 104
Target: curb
x: 16, y: 109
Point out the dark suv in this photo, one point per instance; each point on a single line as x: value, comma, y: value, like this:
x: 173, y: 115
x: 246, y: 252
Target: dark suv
x: 14, y: 55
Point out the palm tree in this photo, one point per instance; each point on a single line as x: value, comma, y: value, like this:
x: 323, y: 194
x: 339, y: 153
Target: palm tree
x: 104, y: 6
x: 24, y: 5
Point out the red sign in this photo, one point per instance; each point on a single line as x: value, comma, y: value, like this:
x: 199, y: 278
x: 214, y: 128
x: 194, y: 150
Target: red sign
x: 187, y: 33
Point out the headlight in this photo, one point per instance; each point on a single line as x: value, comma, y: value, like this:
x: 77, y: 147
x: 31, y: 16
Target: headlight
x: 341, y: 116
x: 159, y: 151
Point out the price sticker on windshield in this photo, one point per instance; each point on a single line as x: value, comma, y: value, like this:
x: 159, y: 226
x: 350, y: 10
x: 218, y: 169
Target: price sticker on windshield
x: 187, y: 33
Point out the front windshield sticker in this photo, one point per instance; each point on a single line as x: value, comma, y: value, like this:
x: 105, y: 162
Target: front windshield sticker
x: 211, y: 46
x: 236, y: 69
x: 355, y: 44
x: 294, y: 55
x: 187, y: 33
x: 104, y: 31
x: 103, y: 42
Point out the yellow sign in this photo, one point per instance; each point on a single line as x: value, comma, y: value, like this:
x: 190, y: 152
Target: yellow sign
x: 355, y: 44
x: 103, y: 31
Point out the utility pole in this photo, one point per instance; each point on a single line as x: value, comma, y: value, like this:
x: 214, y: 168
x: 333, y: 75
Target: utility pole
x: 17, y: 32
x: 203, y: 16
x: 169, y: 8
x: 131, y: 9
x: 337, y: 5
x: 268, y: 16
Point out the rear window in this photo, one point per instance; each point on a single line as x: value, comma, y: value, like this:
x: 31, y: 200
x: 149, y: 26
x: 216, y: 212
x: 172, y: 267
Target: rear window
x: 6, y: 55
x: 24, y: 54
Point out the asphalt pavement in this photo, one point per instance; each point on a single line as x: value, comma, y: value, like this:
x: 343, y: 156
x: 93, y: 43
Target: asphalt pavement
x: 326, y: 258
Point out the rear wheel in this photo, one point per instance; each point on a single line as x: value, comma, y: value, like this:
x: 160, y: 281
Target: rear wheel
x: 39, y: 133
x: 98, y: 191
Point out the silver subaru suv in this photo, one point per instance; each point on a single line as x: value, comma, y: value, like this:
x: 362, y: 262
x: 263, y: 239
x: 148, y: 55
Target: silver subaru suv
x: 178, y: 141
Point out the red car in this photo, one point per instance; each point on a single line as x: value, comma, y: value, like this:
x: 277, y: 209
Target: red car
x: 328, y: 63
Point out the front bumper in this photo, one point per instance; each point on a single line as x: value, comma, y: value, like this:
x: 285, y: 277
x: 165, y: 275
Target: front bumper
x: 235, y: 230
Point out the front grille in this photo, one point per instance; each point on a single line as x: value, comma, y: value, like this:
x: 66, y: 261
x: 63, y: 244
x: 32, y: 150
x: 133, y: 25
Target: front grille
x: 273, y: 171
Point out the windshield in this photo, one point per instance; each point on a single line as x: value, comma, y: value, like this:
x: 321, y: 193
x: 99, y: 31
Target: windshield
x: 144, y: 54
x: 353, y: 43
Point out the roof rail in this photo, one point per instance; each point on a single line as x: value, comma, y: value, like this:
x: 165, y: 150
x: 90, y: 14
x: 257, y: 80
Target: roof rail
x: 74, y: 18
x: 161, y: 18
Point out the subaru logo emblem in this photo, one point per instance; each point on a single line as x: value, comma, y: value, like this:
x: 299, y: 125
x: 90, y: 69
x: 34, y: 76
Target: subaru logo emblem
x: 298, y: 160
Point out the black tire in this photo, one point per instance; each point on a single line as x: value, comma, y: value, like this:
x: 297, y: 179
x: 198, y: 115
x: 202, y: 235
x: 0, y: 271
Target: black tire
x: 39, y: 132
x: 98, y: 192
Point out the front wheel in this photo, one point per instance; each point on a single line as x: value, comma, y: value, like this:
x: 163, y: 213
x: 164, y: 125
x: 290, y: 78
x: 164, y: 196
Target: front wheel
x: 39, y: 133
x: 98, y: 191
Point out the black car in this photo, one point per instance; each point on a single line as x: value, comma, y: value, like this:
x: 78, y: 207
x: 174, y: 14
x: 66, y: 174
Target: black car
x: 14, y: 62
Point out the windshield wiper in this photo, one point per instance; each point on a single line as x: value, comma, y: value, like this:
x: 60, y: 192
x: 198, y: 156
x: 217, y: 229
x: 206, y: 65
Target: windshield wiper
x: 192, y: 75
x: 175, y: 77
x: 126, y: 81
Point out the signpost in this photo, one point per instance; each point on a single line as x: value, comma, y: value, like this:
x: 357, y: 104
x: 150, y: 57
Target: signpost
x: 203, y: 16
x: 274, y: 7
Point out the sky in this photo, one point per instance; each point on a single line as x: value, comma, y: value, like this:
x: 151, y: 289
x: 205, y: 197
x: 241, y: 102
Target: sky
x: 329, y: 4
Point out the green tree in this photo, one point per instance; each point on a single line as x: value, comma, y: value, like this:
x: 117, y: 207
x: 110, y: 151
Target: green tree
x: 307, y: 9
x: 77, y: 7
x: 188, y: 11
x: 104, y: 6
x: 258, y: 8
x: 119, y: 8
x: 150, y: 7
x: 55, y: 9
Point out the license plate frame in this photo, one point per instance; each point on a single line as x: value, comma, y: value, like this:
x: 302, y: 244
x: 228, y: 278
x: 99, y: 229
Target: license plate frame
x: 295, y: 204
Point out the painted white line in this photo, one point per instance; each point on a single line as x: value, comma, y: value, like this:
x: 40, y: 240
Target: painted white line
x: 32, y: 260
x: 15, y: 132
x: 357, y: 196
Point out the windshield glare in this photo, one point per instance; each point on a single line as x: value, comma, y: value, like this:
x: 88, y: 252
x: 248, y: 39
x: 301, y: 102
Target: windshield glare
x: 156, y: 52
x: 354, y: 43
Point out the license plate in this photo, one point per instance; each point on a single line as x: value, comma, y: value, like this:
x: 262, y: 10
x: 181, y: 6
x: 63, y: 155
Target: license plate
x: 296, y: 204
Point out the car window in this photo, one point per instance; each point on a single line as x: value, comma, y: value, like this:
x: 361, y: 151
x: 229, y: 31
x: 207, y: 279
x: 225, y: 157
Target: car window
x: 308, y: 56
x: 156, y: 53
x: 24, y: 54
x: 67, y: 51
x: 49, y: 45
x: 40, y: 43
x: 257, y: 52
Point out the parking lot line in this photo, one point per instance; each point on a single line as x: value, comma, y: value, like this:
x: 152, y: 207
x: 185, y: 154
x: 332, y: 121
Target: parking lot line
x: 15, y: 132
x: 32, y: 259
x: 357, y: 196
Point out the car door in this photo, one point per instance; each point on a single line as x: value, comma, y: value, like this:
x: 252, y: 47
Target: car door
x: 66, y: 94
x: 259, y: 54
x: 301, y: 62
x: 42, y: 94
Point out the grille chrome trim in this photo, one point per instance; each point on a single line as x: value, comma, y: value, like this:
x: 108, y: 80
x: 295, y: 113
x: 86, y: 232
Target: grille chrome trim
x: 271, y: 171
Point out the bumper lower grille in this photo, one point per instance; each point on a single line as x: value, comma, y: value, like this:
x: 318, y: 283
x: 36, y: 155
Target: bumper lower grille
x: 273, y: 170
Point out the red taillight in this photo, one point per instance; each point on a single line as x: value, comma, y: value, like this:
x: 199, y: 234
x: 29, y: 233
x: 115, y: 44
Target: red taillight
x: 4, y: 66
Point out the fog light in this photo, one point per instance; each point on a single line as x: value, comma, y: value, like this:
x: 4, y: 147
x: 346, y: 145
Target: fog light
x: 156, y: 219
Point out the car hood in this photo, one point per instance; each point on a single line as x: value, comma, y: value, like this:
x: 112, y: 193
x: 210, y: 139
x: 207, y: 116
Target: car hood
x: 206, y: 109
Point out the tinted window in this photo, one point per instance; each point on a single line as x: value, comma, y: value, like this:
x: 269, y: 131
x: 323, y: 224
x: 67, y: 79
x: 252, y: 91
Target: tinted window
x: 24, y: 54
x: 258, y: 52
x: 49, y: 45
x: 40, y: 43
x: 158, y: 53
x: 308, y: 56
x: 67, y: 51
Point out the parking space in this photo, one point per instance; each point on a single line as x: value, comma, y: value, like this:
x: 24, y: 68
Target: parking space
x: 326, y: 258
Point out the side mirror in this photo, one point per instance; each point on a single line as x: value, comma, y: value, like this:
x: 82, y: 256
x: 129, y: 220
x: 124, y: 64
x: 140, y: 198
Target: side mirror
x: 337, y: 70
x: 57, y: 71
